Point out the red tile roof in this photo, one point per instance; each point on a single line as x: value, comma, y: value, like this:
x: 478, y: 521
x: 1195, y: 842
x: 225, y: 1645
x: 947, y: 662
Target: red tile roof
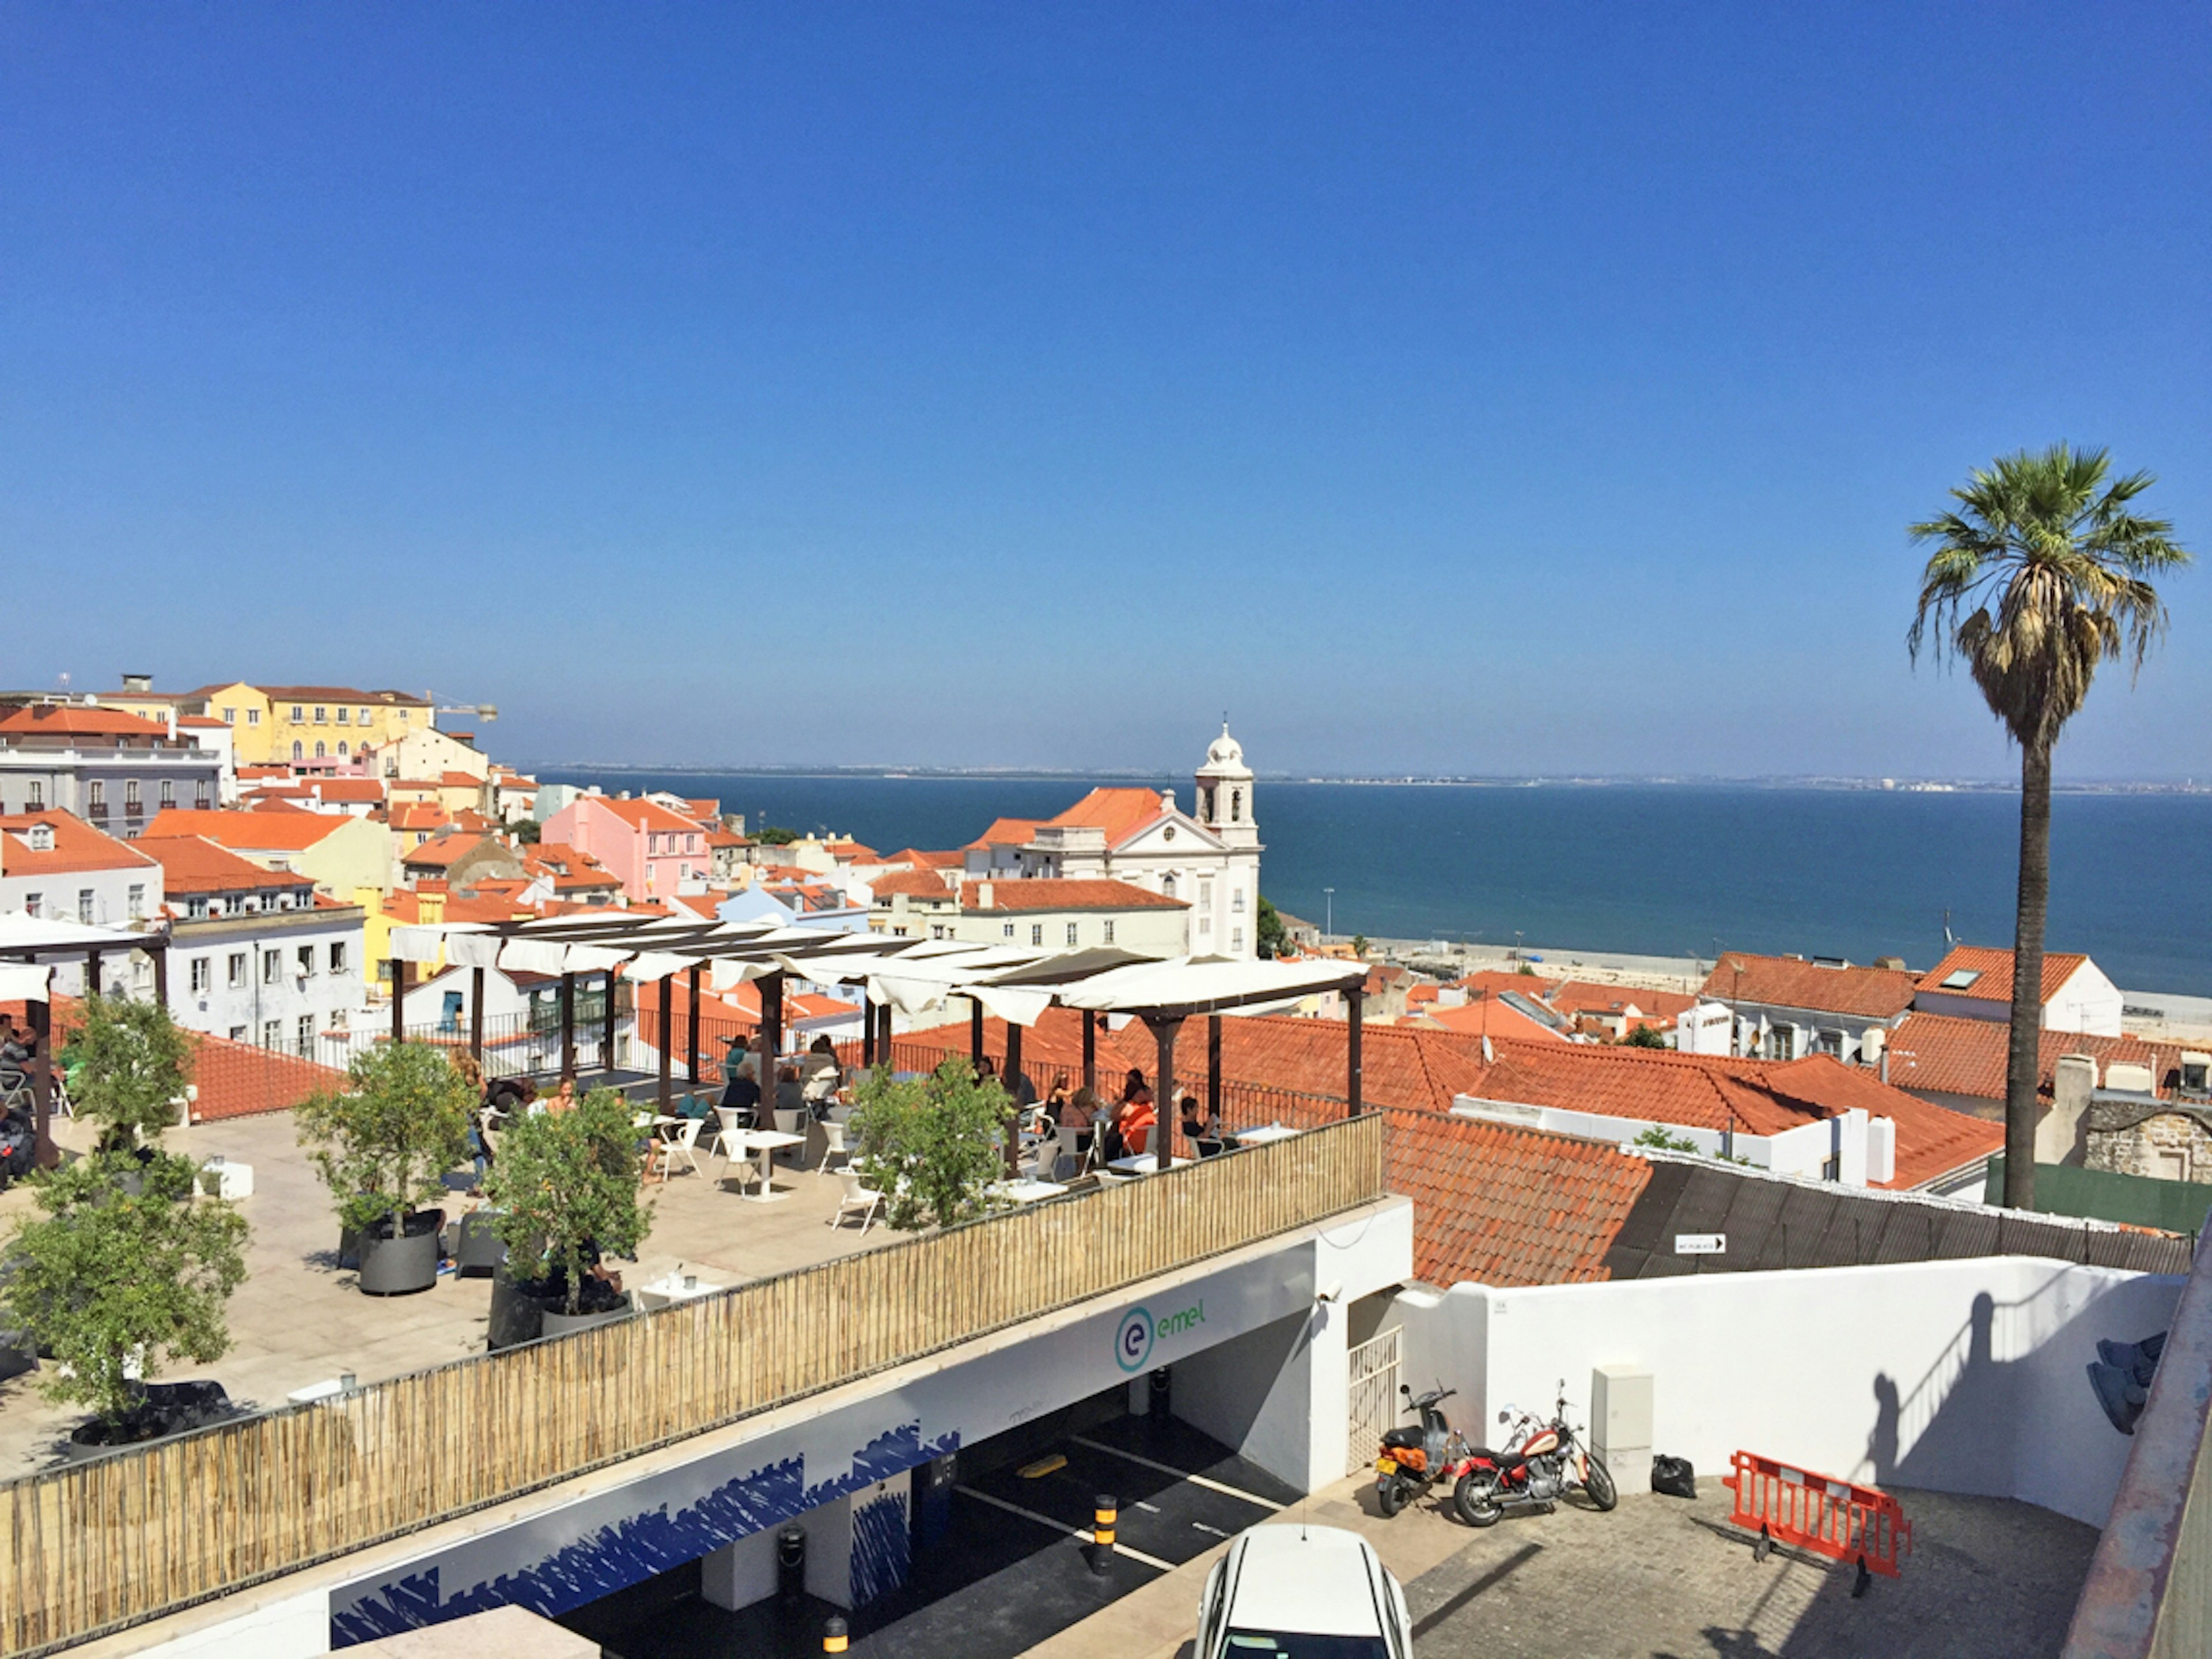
x: 1121, y: 813
x: 74, y: 720
x: 642, y: 814
x: 331, y: 694
x: 1495, y: 1204
x: 1492, y: 1015
x: 193, y: 864
x: 1949, y: 1054
x: 1585, y: 996
x: 442, y: 850
x: 230, y: 1079
x: 952, y: 860
x: 276, y: 830
x: 914, y: 884
x: 1995, y: 969
x: 1007, y: 832
x: 77, y: 847
x: 1792, y: 982
x: 1054, y: 893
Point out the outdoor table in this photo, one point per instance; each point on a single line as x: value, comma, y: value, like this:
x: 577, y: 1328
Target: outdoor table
x: 1025, y: 1192
x: 672, y: 1288
x: 1144, y: 1163
x: 731, y: 1132
x: 1262, y: 1135
x: 766, y: 1140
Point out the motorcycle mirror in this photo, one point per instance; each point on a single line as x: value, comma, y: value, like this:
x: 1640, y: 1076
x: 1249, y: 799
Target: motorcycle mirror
x: 1405, y: 1388
x: 1502, y: 1416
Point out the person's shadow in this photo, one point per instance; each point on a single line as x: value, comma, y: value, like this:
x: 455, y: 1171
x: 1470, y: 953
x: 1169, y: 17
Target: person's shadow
x: 1882, y: 1445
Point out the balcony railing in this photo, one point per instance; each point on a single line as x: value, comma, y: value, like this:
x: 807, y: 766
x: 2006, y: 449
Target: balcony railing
x: 133, y: 1536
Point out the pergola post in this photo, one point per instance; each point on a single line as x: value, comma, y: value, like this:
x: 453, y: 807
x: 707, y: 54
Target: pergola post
x: 1012, y: 1085
x: 92, y: 973
x: 1352, y: 1001
x: 399, y: 1000
x: 1163, y: 1107
x: 607, y: 1027
x: 883, y: 1018
x: 868, y: 1032
x: 476, y: 1015
x: 691, y: 1023
x: 160, y: 954
x: 665, y: 1038
x: 974, y: 1035
x: 1090, y: 1051
x: 44, y: 1152
x: 1213, y: 1068
x: 770, y: 1040
x: 568, y: 1027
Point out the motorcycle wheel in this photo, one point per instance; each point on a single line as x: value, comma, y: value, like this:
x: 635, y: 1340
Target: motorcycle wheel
x: 1390, y: 1497
x: 1598, y: 1483
x: 1475, y: 1498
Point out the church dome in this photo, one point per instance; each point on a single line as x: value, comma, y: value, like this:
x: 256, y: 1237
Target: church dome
x: 1225, y: 753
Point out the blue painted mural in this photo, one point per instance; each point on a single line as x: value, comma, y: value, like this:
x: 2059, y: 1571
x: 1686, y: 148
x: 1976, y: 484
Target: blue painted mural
x: 882, y: 1547
x: 642, y: 1546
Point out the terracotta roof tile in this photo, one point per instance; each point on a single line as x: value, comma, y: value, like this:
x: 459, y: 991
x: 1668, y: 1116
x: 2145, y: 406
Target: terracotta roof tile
x: 1950, y: 1054
x: 75, y: 720
x: 1006, y: 832
x: 1056, y: 893
x: 77, y: 846
x: 1791, y: 982
x: 1994, y: 971
x: 193, y: 864
x: 1120, y: 811
x: 281, y: 831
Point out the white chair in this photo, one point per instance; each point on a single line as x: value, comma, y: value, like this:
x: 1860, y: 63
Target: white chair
x: 833, y: 1145
x: 682, y: 1144
x: 1114, y: 1177
x: 730, y: 1138
x: 858, y: 1197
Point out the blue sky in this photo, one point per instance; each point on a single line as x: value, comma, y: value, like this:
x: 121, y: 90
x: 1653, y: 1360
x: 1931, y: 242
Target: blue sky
x: 1434, y: 387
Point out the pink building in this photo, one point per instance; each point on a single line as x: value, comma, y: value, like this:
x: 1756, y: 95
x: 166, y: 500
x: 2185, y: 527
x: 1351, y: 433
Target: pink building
x: 652, y: 851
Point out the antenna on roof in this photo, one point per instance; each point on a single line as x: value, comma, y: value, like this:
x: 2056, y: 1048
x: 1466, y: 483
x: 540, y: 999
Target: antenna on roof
x: 1950, y: 938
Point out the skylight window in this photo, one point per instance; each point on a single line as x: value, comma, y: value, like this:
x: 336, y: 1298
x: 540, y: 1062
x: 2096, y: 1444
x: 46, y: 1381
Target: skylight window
x: 1961, y: 979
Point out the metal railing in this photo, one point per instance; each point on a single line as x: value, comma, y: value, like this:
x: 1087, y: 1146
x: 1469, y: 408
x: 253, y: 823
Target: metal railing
x: 2148, y: 1595
x: 131, y: 1536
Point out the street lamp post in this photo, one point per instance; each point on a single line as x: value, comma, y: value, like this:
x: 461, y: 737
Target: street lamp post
x: 1328, y: 915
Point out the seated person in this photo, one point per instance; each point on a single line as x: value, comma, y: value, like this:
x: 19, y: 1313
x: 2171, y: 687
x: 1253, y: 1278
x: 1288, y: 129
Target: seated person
x: 820, y: 1077
x: 1202, y: 1130
x: 742, y: 1094
x: 790, y: 1095
x: 1136, y: 1123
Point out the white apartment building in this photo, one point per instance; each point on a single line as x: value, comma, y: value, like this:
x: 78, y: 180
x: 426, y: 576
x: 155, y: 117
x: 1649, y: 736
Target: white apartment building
x: 55, y: 867
x: 254, y: 955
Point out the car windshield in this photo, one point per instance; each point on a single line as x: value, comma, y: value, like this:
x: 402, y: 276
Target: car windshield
x: 1295, y: 1645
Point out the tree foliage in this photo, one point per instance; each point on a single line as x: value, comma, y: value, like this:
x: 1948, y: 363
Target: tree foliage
x: 566, y: 1182
x: 930, y: 1145
x: 136, y: 1062
x: 1644, y: 1037
x: 1268, y: 932
x: 1662, y: 1140
x: 775, y: 835
x: 1359, y: 945
x: 105, y: 1275
x: 383, y: 1142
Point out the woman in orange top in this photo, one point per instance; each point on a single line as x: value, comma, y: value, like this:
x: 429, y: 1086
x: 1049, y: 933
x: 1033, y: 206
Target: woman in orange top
x: 1137, y: 1121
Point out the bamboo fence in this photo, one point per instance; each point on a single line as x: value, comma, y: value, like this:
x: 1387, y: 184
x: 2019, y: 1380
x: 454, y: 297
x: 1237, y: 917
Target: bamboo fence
x: 91, y: 1548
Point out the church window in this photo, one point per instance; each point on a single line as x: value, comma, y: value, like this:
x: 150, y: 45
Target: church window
x: 1236, y: 938
x: 1168, y: 886
x: 1205, y: 892
x: 1206, y: 803
x: 1108, y: 934
x: 1236, y: 805
x: 1036, y: 933
x: 1237, y: 900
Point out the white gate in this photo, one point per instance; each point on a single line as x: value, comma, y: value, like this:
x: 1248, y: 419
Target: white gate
x: 1374, y: 1399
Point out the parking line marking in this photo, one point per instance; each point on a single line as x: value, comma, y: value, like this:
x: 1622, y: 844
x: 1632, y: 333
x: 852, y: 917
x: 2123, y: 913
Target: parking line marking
x: 1152, y: 1561
x: 1170, y: 1469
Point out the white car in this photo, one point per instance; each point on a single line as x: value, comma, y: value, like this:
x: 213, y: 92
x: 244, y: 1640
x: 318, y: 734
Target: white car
x: 1289, y: 1591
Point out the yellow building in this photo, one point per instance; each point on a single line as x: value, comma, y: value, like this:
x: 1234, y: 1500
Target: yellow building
x: 276, y: 725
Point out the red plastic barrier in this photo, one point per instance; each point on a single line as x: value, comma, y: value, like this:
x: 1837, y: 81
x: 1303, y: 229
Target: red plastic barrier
x: 1831, y: 1517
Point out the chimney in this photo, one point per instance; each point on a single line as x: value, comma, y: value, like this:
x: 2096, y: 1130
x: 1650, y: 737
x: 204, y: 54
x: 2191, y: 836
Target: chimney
x: 173, y: 722
x: 2062, y: 1136
x: 983, y: 890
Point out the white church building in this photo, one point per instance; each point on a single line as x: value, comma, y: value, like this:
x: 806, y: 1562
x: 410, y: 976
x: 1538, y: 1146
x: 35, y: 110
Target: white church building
x: 1208, y: 859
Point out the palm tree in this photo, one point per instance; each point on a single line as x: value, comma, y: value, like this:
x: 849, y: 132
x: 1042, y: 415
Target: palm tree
x: 2038, y: 575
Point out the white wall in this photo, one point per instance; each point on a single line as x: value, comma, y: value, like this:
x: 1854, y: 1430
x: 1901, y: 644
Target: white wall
x: 222, y: 1008
x: 1804, y: 1151
x: 2087, y: 1002
x: 1959, y: 1376
x: 1278, y: 1395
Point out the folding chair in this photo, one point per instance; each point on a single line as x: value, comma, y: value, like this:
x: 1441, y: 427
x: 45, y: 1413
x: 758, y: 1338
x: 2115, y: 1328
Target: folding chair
x: 667, y: 1148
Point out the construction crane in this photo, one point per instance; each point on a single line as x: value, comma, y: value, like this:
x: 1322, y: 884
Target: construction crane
x: 483, y: 711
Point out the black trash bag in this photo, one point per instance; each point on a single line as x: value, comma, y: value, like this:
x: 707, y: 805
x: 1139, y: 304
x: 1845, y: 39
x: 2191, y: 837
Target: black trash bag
x: 1674, y: 1477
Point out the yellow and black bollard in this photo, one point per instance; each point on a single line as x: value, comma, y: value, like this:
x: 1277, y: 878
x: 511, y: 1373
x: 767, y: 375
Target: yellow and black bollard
x: 1106, y: 1512
x: 833, y: 1636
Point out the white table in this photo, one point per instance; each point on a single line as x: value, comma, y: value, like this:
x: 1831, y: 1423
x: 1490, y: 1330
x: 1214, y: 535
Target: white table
x: 666, y: 1291
x: 1262, y: 1135
x: 1145, y: 1163
x: 766, y: 1141
x: 1025, y: 1192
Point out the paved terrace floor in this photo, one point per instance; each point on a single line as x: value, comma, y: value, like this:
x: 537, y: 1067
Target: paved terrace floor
x: 298, y: 1319
x: 1662, y: 1578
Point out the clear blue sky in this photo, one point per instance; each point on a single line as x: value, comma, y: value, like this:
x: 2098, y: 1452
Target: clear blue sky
x: 1434, y: 387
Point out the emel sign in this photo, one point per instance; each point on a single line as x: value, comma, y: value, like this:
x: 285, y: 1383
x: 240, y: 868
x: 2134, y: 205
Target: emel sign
x: 1133, y: 1339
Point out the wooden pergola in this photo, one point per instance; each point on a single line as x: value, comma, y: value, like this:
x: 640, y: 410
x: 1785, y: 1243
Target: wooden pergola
x: 911, y: 974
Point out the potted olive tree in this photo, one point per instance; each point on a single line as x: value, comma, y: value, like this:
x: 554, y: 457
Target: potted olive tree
x: 383, y: 1145
x: 930, y: 1145
x: 133, y: 1064
x: 566, y: 1189
x: 116, y: 1283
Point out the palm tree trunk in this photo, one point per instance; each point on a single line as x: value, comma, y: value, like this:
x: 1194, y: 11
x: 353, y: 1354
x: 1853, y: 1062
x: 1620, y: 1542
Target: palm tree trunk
x: 2023, y: 1061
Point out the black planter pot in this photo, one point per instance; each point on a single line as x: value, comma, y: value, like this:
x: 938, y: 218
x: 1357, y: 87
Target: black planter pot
x: 163, y: 1409
x: 517, y: 1313
x: 562, y: 1324
x: 401, y: 1266
x: 478, y: 1251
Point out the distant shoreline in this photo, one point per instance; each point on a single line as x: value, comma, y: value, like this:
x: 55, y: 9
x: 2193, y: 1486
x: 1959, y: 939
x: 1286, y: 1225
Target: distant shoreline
x: 1899, y: 786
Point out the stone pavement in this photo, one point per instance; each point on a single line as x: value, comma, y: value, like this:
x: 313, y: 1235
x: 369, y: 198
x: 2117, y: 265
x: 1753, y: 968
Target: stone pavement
x: 298, y: 1319
x: 1660, y: 1578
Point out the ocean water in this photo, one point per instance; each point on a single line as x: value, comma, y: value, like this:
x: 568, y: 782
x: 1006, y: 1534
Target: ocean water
x: 1661, y: 870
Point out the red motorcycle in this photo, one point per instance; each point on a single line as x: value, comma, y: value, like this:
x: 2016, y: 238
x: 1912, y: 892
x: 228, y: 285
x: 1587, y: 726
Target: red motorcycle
x: 1547, y: 1462
x: 1414, y: 1459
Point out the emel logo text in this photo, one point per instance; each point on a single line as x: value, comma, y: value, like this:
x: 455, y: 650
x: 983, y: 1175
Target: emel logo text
x: 1132, y: 1343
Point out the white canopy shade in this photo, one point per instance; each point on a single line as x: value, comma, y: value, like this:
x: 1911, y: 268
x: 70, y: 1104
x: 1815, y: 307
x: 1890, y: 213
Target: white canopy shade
x: 24, y: 981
